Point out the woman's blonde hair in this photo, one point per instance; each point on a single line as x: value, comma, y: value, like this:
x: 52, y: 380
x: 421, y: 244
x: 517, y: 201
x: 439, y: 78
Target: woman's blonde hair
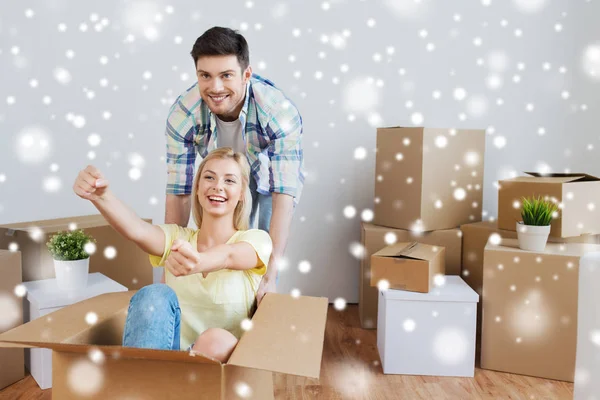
x: 241, y: 214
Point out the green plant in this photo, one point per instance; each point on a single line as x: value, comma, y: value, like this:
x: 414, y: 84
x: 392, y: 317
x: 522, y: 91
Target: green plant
x: 537, y: 211
x: 69, y: 246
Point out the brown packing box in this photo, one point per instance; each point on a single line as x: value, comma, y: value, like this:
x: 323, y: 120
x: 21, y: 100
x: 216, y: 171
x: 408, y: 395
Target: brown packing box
x: 474, y: 238
x: 408, y: 266
x: 373, y: 240
x: 12, y: 362
x: 130, y: 267
x: 577, y: 193
x: 428, y: 179
x: 89, y: 362
x: 530, y: 309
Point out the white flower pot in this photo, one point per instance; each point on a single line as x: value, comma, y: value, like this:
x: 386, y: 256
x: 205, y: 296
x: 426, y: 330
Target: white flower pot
x: 72, y: 275
x: 531, y: 237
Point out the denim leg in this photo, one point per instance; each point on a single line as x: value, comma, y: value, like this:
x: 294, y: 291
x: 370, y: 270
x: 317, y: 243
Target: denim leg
x: 153, y: 319
x: 265, y: 210
x: 254, y: 193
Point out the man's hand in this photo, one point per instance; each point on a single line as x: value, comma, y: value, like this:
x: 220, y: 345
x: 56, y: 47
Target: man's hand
x: 184, y: 260
x: 267, y: 285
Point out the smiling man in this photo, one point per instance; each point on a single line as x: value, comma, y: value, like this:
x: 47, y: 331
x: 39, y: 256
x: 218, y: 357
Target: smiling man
x: 231, y: 107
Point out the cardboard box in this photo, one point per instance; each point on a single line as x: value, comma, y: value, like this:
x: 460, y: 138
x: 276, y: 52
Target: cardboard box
x: 43, y: 298
x: 530, y: 309
x: 577, y: 195
x: 89, y: 362
x: 373, y: 240
x: 408, y: 266
x: 428, y: 333
x: 474, y: 239
x: 587, y: 360
x: 12, y: 367
x: 428, y: 179
x: 130, y: 267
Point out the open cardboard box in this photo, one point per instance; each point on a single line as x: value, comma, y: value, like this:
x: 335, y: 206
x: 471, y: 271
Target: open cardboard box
x: 89, y: 362
x: 577, y: 193
x: 408, y: 266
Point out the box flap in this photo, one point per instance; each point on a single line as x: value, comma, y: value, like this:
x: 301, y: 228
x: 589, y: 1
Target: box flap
x: 60, y: 224
x: 565, y: 177
x: 454, y: 289
x: 287, y: 336
x: 412, y: 250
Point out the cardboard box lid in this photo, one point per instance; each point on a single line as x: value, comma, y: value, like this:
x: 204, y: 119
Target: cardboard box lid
x: 46, y: 294
x: 60, y: 224
x: 410, y: 250
x: 554, y: 177
x: 287, y: 336
x: 552, y: 249
x: 454, y: 289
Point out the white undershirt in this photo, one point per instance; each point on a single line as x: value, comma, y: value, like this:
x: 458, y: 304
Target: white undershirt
x: 229, y: 134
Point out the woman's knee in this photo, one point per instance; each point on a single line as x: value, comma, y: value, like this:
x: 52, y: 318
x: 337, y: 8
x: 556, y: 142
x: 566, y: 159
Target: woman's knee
x: 216, y: 343
x: 154, y: 297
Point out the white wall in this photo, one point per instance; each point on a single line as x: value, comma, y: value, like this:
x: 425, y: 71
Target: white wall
x: 305, y: 48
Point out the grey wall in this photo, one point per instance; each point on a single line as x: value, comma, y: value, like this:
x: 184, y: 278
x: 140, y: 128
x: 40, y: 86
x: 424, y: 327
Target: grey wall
x: 349, y: 66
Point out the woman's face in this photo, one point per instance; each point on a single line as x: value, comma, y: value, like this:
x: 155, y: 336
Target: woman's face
x: 220, y: 187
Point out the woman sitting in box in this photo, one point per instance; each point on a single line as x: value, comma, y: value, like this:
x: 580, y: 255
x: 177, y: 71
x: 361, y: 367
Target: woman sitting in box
x: 212, y: 274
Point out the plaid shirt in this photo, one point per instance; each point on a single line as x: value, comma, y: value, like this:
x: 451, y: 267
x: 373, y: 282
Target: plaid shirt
x: 271, y: 129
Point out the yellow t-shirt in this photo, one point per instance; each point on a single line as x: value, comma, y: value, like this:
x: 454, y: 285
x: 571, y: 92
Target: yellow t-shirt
x: 222, y: 299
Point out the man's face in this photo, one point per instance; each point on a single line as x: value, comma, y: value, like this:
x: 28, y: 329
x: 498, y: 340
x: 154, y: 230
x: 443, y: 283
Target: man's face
x: 222, y: 85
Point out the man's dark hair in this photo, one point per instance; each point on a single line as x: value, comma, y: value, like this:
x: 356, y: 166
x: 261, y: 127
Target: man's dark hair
x: 219, y: 41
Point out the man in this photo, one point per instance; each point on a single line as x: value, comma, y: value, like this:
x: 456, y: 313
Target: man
x: 229, y: 106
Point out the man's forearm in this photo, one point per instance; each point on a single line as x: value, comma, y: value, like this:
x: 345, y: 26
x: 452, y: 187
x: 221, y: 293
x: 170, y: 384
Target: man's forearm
x: 177, y: 209
x: 279, y: 230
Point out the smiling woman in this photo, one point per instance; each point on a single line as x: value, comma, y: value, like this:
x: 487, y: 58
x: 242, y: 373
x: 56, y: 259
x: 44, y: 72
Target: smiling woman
x: 212, y: 274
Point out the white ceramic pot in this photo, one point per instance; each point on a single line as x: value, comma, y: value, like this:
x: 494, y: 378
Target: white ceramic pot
x: 72, y: 275
x: 531, y: 237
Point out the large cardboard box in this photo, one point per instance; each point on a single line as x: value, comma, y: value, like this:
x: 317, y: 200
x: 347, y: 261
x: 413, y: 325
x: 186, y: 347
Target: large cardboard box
x: 474, y: 239
x: 12, y: 367
x: 89, y: 362
x: 129, y: 266
x: 428, y: 333
x: 408, y: 266
x: 428, y: 179
x: 576, y: 195
x: 587, y: 363
x: 373, y: 240
x: 530, y: 309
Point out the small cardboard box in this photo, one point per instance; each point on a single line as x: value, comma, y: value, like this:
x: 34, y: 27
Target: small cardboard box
x: 576, y: 194
x: 43, y: 298
x: 12, y: 367
x: 428, y: 179
x: 408, y: 266
x: 428, y: 333
x: 373, y: 240
x: 130, y: 266
x: 89, y: 362
x: 530, y: 309
x: 474, y: 239
x: 587, y: 361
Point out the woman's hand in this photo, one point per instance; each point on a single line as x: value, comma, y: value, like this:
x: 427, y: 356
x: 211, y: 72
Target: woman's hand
x: 90, y: 184
x: 184, y: 260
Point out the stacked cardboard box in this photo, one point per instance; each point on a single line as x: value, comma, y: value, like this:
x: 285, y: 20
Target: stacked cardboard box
x: 428, y: 183
x: 129, y: 266
x: 12, y: 367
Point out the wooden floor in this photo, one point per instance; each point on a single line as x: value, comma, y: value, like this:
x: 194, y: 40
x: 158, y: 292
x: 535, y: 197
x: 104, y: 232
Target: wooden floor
x: 351, y: 370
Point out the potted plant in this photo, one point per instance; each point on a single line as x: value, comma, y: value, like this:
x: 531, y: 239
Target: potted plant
x: 533, y: 230
x: 71, y: 260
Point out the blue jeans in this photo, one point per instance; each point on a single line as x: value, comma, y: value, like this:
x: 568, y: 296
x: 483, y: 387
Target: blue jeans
x: 262, y: 204
x: 153, y: 319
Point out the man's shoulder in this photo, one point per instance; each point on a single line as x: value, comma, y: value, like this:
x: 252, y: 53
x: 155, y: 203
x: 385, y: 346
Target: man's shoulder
x: 190, y: 98
x: 266, y: 94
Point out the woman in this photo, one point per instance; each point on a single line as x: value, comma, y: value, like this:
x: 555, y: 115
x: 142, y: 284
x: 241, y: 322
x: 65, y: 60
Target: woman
x: 212, y: 273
